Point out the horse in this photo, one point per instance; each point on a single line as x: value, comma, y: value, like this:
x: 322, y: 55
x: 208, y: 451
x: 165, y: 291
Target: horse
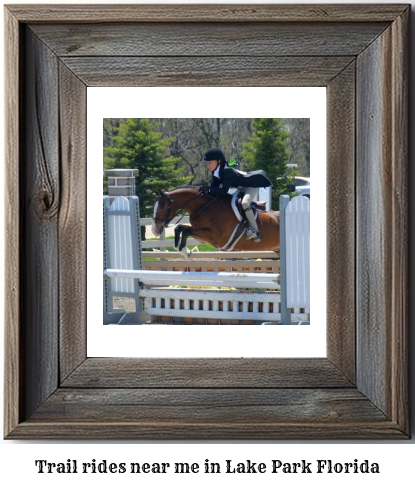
x: 212, y: 220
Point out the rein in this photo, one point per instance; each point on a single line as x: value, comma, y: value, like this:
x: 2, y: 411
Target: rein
x: 166, y: 221
x: 203, y: 208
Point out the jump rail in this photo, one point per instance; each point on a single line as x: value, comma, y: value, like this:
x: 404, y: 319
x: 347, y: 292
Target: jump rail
x: 246, y: 262
x: 238, y: 266
x: 213, y: 255
x: 220, y: 279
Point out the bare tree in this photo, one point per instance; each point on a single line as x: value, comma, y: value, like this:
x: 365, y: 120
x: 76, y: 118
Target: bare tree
x: 298, y: 144
x: 193, y: 137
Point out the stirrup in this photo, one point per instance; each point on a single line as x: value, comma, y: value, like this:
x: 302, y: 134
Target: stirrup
x: 253, y: 234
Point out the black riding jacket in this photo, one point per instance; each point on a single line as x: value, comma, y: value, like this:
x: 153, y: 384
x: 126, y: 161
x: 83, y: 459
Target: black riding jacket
x: 231, y: 178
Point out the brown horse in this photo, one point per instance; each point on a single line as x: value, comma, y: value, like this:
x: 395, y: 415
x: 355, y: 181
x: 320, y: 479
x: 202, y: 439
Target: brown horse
x: 212, y: 221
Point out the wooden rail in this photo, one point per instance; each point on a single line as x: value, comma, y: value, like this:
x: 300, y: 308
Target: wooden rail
x: 213, y: 255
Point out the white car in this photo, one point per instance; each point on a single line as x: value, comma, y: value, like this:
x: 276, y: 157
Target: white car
x: 302, y: 185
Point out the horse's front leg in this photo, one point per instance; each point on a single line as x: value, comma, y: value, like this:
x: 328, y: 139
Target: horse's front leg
x: 186, y: 232
x: 202, y: 235
x: 177, y: 235
x: 181, y: 233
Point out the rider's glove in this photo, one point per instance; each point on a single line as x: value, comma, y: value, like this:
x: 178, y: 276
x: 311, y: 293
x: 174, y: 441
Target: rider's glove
x: 204, y: 189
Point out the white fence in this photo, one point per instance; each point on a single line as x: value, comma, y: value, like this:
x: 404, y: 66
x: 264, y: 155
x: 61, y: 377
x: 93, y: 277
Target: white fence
x: 295, y: 254
x: 122, y: 249
x: 209, y: 305
x: 153, y: 293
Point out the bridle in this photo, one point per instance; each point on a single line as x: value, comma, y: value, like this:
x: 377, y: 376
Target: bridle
x: 167, y: 220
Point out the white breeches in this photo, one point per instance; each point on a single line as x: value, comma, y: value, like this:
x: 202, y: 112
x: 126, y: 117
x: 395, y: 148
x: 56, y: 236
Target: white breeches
x: 250, y: 194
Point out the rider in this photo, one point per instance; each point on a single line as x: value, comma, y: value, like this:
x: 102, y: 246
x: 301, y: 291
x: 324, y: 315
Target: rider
x: 225, y: 177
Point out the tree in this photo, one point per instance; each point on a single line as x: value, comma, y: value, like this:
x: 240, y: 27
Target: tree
x: 193, y: 137
x: 266, y: 150
x: 298, y: 144
x: 110, y: 130
x: 138, y: 144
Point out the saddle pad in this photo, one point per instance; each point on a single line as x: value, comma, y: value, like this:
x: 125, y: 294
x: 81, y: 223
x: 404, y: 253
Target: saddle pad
x: 237, y: 207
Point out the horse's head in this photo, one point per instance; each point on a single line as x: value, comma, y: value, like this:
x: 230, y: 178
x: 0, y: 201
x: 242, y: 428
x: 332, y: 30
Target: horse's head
x: 163, y: 212
x: 169, y: 203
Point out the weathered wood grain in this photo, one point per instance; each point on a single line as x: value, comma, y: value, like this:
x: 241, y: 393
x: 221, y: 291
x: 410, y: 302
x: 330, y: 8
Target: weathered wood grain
x: 13, y: 271
x: 207, y: 373
x: 199, y: 71
x: 207, y: 13
x: 341, y: 234
x: 210, y: 414
x: 382, y: 246
x: 187, y: 430
x: 373, y: 222
x: 400, y: 224
x: 72, y: 222
x: 181, y: 39
x: 39, y: 219
x: 210, y: 405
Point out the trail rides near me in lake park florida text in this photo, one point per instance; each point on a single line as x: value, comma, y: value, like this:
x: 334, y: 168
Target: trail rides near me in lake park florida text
x: 275, y: 466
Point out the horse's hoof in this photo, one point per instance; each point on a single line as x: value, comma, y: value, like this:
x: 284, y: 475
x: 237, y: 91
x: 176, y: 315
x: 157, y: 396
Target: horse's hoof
x: 186, y: 253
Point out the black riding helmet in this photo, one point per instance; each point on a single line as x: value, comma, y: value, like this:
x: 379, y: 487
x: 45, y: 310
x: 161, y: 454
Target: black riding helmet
x: 214, y: 154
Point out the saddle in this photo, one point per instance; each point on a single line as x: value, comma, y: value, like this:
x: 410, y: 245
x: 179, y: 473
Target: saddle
x: 236, y: 203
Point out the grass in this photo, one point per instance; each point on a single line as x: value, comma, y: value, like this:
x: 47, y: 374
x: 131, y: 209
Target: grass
x: 201, y: 247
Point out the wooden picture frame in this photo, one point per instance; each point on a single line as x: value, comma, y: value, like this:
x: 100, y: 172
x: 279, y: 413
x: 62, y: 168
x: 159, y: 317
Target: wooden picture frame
x: 360, y: 53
